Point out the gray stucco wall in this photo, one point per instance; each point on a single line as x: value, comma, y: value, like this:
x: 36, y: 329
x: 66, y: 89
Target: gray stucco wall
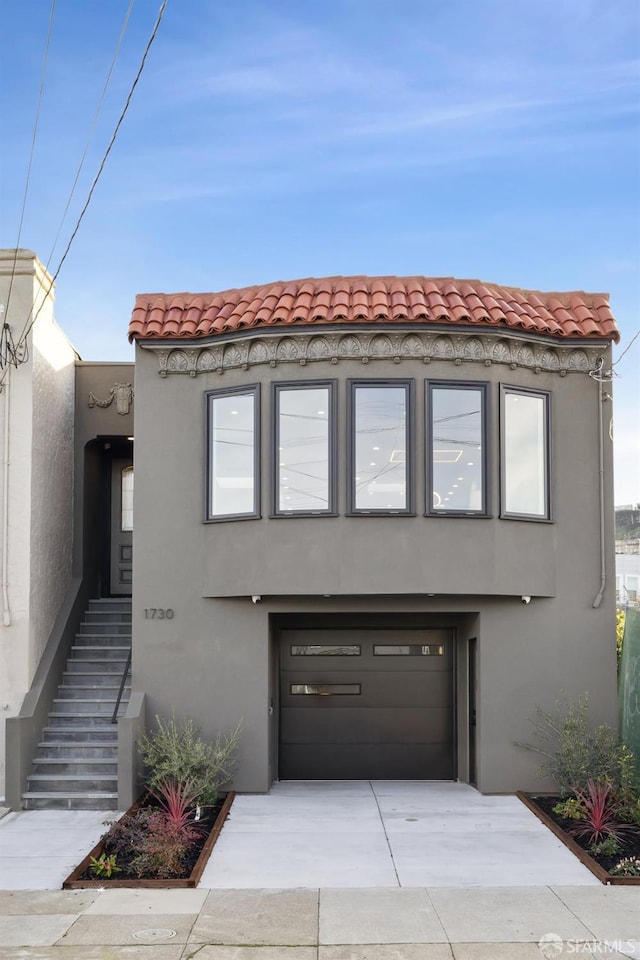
x: 97, y: 379
x: 215, y: 659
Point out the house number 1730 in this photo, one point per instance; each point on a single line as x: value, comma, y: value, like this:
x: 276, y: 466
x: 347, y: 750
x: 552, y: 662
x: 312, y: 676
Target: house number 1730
x: 158, y: 613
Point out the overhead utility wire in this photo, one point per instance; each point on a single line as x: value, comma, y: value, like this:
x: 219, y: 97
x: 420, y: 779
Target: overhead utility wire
x: 600, y: 375
x: 123, y: 30
x: 628, y: 346
x: 30, y: 322
x: 31, y: 153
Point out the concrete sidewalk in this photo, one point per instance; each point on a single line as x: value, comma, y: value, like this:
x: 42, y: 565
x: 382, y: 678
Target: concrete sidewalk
x: 525, y: 923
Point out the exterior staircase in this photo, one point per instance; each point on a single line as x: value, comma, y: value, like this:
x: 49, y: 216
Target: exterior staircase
x: 76, y: 764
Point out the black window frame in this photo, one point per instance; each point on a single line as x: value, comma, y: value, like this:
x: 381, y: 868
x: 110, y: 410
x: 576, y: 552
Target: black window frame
x: 408, y: 384
x: 276, y: 389
x: 253, y: 390
x: 507, y: 388
x: 485, y: 387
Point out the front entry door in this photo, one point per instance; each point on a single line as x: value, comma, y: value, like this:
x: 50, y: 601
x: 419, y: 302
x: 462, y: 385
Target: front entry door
x: 121, y: 560
x: 366, y: 705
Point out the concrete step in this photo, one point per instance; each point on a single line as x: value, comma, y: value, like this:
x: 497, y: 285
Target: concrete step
x: 110, y: 605
x: 106, y: 733
x: 76, y: 762
x: 96, y: 800
x: 95, y: 664
x: 85, y: 767
x: 108, y: 616
x: 85, y: 691
x: 99, y: 627
x: 70, y: 720
x: 91, y: 678
x: 102, y: 640
x: 69, y: 750
x: 99, y: 708
x: 102, y: 652
x: 74, y: 783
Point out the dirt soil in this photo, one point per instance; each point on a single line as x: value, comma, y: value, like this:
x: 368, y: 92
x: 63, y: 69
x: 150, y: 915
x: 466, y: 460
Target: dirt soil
x: 207, y: 821
x: 630, y: 843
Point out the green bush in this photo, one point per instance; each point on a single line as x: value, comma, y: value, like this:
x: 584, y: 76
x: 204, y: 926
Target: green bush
x: 619, y: 632
x: 606, y: 848
x: 570, y: 809
x: 627, y: 867
x: 177, y: 752
x: 574, y: 752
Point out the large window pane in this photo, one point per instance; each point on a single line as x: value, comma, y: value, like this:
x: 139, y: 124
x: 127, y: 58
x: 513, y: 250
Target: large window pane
x: 304, y: 449
x: 232, y: 452
x: 379, y: 448
x: 525, y: 453
x: 457, y: 443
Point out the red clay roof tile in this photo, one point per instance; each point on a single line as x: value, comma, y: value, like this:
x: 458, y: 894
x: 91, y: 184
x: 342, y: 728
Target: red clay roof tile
x: 370, y: 300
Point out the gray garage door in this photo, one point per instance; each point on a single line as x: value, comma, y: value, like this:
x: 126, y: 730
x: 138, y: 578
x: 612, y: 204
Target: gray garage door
x: 366, y: 705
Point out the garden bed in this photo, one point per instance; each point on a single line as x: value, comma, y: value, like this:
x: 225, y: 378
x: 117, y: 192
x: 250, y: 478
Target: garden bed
x: 82, y: 878
x: 542, y: 806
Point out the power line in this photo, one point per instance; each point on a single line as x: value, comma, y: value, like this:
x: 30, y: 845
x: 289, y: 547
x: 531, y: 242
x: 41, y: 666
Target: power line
x: 30, y: 322
x: 92, y: 129
x: 629, y: 345
x: 34, y: 137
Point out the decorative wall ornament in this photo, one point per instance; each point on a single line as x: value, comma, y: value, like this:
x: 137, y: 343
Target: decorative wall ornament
x: 123, y: 395
x: 301, y: 348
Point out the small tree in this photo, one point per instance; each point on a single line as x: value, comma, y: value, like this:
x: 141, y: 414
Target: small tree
x: 575, y: 753
x: 177, y: 753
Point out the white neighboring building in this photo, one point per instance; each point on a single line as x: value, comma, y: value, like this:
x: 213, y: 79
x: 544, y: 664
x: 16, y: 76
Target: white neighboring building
x: 627, y: 571
x: 36, y: 479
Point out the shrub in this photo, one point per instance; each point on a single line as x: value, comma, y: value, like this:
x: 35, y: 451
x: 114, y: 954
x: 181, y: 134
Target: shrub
x: 176, y: 752
x: 104, y: 866
x: 164, y: 848
x: 629, y: 808
x: 126, y: 835
x: 570, y: 809
x: 627, y: 867
x: 606, y: 848
x: 619, y: 632
x: 599, y: 823
x: 177, y: 802
x: 575, y: 753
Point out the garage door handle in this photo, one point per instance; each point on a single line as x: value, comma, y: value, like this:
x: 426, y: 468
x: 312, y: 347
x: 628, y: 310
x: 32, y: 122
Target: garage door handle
x: 325, y: 690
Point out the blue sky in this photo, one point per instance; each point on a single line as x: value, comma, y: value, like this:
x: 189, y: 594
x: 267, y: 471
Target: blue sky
x: 493, y: 139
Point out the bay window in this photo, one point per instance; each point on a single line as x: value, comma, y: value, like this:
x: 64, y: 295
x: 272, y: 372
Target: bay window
x: 304, y: 456
x: 457, y: 448
x: 380, y: 455
x: 233, y: 429
x: 525, y: 425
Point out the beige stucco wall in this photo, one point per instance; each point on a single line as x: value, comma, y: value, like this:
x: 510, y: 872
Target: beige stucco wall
x: 37, y: 446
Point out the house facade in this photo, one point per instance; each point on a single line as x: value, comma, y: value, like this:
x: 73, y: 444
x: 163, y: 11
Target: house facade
x: 374, y: 522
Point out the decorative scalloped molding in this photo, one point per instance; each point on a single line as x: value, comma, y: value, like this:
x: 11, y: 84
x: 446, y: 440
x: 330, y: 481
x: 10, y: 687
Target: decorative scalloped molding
x: 300, y: 348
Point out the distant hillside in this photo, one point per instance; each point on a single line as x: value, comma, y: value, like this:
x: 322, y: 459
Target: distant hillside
x: 628, y: 522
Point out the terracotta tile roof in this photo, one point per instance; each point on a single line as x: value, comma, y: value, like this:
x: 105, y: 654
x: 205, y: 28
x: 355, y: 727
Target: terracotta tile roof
x: 372, y: 300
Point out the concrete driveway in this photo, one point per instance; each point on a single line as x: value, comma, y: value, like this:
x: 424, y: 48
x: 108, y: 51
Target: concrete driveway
x: 386, y: 834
